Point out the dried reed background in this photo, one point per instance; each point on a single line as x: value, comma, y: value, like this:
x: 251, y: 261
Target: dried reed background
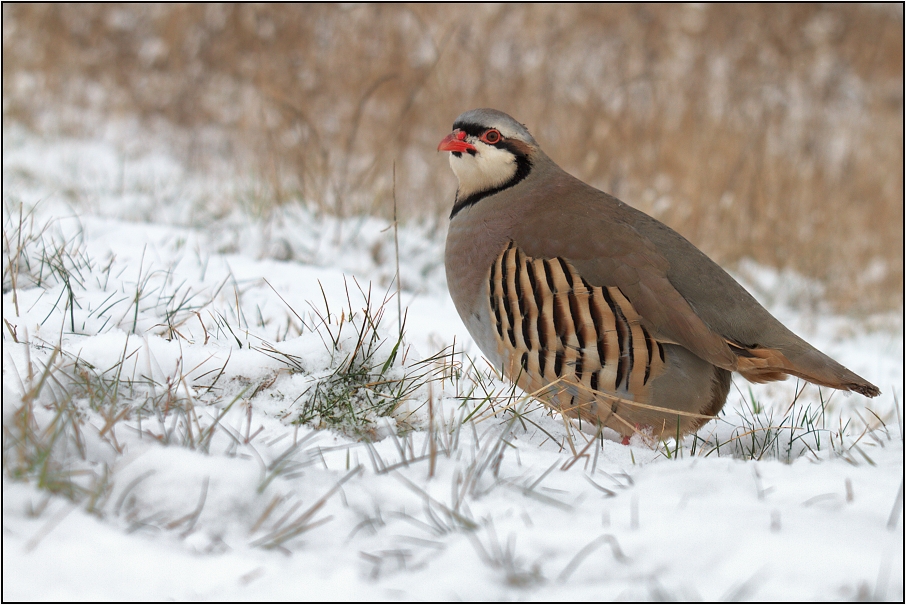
x: 773, y: 132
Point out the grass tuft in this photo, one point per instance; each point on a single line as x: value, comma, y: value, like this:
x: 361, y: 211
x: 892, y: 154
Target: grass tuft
x: 805, y: 429
x: 368, y: 378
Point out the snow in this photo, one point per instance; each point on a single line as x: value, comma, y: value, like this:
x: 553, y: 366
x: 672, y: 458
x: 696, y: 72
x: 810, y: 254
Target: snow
x: 191, y: 481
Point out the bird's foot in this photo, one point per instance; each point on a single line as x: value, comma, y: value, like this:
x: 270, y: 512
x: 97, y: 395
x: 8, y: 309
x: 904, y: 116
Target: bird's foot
x: 642, y: 430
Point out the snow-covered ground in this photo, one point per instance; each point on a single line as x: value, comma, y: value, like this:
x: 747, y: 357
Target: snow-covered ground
x: 162, y: 339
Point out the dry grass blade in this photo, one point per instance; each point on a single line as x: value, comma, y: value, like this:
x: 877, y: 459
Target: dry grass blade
x: 590, y: 548
x: 897, y: 511
x: 459, y: 520
x: 285, y: 531
x: 504, y: 558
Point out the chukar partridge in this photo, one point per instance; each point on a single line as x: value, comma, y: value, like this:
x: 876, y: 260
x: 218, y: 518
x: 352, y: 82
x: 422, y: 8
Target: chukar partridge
x: 594, y: 307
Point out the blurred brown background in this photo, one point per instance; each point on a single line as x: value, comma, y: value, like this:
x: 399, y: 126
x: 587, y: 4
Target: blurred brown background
x: 773, y: 132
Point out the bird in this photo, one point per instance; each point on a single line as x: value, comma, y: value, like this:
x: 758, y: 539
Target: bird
x: 595, y: 308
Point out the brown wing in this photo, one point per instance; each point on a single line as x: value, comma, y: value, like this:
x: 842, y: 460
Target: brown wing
x: 610, y: 253
x: 680, y: 294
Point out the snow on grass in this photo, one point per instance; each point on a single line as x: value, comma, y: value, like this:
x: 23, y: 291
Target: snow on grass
x: 204, y: 403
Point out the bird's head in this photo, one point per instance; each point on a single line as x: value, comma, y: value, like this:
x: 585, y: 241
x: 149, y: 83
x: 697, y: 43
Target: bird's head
x: 489, y: 152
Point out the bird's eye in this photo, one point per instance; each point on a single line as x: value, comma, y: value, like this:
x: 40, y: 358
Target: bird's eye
x: 492, y: 136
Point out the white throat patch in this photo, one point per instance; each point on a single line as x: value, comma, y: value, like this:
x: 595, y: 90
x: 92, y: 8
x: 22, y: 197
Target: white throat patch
x: 490, y: 167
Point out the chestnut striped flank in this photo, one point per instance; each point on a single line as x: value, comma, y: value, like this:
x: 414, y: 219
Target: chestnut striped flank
x: 570, y: 343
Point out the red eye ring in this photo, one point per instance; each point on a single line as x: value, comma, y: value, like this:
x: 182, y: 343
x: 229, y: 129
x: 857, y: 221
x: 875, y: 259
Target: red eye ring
x: 491, y: 137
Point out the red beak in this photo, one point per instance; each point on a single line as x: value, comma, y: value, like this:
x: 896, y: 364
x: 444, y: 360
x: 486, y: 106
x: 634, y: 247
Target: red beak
x: 455, y: 141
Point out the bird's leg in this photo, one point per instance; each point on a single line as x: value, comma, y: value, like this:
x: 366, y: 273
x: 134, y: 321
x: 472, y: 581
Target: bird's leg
x: 640, y: 429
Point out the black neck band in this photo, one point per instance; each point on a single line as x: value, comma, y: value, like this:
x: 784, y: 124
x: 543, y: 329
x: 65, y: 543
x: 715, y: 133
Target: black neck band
x: 523, y: 168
